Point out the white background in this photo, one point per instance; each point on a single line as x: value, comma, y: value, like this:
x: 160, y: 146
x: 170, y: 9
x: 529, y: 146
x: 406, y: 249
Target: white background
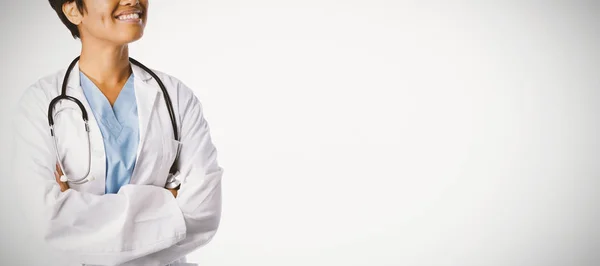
x: 371, y: 132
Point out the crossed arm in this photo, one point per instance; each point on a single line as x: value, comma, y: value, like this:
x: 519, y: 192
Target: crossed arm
x: 65, y: 185
x: 141, y: 224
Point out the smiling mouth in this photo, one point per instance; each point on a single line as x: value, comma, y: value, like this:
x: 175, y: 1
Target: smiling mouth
x: 129, y: 17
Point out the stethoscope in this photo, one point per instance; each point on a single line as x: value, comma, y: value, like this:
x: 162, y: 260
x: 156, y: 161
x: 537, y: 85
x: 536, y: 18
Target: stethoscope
x: 172, y: 182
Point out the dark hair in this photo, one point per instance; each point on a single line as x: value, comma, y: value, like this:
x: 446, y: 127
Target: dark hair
x: 57, y: 6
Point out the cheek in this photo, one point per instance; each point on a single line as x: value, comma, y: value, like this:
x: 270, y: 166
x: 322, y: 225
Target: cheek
x: 100, y: 12
x: 98, y: 22
x: 107, y: 23
x: 107, y: 20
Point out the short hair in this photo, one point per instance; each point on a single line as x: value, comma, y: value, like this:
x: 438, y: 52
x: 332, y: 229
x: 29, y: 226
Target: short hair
x: 57, y: 6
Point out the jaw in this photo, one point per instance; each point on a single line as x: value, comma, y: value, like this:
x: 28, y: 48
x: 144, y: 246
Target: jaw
x: 119, y: 36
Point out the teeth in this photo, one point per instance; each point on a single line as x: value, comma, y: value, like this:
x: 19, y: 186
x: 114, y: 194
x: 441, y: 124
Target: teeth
x: 130, y: 16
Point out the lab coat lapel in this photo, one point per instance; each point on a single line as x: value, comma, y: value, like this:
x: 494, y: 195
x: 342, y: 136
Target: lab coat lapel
x: 146, y: 95
x: 98, y: 160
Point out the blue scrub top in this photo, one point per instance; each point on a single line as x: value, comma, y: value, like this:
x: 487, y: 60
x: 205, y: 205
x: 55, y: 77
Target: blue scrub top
x: 120, y: 130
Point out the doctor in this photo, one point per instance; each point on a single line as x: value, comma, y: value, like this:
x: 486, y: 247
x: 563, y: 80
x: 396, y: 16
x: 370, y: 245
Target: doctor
x: 126, y: 215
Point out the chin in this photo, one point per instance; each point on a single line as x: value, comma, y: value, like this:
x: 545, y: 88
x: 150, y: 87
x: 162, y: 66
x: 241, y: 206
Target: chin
x: 129, y: 38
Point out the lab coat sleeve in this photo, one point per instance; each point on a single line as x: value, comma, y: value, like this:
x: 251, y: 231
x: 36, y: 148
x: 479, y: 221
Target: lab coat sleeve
x: 93, y: 229
x: 199, y: 197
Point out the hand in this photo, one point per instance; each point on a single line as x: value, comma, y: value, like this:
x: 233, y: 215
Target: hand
x: 63, y: 185
x: 174, y: 192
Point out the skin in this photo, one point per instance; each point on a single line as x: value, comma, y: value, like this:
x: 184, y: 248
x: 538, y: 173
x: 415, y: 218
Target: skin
x: 104, y: 46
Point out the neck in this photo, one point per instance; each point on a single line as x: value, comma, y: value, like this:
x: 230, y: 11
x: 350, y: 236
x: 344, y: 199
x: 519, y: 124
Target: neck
x: 105, y: 64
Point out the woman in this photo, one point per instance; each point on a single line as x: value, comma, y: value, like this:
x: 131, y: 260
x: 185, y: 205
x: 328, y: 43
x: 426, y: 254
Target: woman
x: 125, y: 215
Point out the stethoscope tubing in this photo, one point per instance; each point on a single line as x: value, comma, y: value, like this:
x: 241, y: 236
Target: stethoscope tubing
x: 63, y: 96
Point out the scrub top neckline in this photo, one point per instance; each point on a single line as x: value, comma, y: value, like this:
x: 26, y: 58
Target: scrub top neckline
x: 113, y: 117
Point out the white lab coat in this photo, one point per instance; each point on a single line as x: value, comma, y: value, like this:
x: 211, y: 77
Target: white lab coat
x: 143, y: 224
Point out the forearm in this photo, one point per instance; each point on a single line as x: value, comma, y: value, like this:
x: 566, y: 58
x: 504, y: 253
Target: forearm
x: 113, y: 228
x: 201, y: 202
x: 98, y: 229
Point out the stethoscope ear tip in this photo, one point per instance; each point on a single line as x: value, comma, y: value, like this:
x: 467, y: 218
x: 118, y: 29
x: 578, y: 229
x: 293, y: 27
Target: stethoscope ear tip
x: 63, y: 178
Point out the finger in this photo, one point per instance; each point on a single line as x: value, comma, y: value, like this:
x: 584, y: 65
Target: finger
x: 63, y: 185
x: 60, y: 184
x: 66, y: 185
x: 58, y: 170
